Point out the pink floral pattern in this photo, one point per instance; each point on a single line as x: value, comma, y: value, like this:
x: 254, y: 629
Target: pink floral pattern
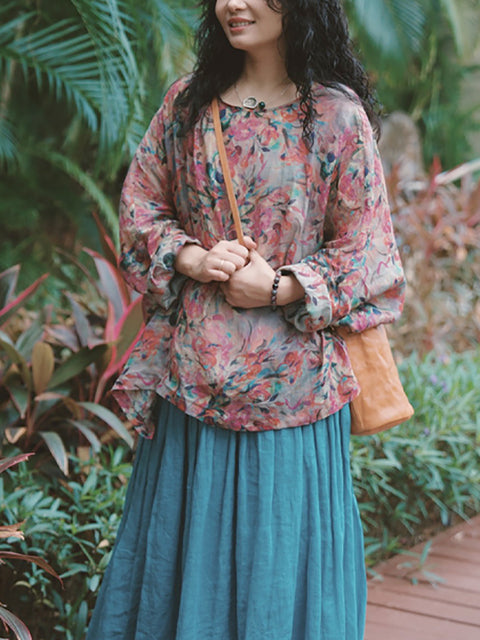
x: 321, y: 214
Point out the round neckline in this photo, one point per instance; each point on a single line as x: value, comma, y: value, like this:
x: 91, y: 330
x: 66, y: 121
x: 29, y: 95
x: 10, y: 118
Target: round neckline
x: 256, y: 110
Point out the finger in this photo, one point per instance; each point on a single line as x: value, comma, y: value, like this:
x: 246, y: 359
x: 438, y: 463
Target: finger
x: 216, y: 275
x: 235, y: 261
x: 249, y: 243
x: 238, y: 249
x: 227, y: 265
x: 229, y: 250
x: 230, y: 266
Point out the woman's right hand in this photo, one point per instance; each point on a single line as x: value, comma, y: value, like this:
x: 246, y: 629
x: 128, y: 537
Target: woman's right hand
x: 215, y: 265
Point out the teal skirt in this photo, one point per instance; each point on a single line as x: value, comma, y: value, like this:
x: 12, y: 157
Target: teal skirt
x: 237, y: 536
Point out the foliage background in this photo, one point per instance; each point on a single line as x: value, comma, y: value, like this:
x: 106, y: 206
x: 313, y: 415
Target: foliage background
x: 80, y: 80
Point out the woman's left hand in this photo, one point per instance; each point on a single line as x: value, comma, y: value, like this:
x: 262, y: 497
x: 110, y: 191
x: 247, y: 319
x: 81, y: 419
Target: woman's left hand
x: 250, y: 286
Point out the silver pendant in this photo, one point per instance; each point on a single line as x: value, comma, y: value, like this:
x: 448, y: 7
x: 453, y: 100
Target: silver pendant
x: 250, y: 103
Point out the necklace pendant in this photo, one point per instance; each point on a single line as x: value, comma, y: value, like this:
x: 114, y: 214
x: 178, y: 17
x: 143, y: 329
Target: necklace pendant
x: 250, y: 103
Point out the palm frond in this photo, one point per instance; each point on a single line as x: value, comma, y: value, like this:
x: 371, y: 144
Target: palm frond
x: 61, y: 56
x: 451, y: 11
x: 8, y: 143
x: 395, y: 28
x: 110, y: 29
x: 89, y: 61
x: 72, y: 169
x: 171, y: 27
x: 11, y: 26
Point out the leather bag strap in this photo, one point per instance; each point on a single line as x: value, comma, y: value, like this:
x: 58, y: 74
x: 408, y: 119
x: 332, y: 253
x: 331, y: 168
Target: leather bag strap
x: 226, y: 171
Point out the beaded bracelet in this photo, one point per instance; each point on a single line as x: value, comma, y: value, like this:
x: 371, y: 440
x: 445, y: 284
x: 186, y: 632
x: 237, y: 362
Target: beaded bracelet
x: 273, y: 298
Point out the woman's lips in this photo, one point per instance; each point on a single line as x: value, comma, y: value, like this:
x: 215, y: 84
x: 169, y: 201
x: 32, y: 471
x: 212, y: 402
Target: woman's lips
x: 237, y: 25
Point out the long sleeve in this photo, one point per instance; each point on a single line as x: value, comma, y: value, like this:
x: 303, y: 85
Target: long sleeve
x: 323, y: 211
x: 150, y: 234
x: 356, y: 277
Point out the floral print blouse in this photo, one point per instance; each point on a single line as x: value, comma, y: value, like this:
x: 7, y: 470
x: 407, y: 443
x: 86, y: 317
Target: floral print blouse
x: 321, y: 214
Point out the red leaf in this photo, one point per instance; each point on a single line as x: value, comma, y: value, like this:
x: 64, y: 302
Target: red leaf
x: 106, y: 242
x: 15, y: 624
x: 5, y: 463
x: 112, y: 283
x: 11, y: 555
x: 12, y: 306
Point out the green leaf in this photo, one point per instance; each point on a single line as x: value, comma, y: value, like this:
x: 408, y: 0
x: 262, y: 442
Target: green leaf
x: 451, y: 10
x: 77, y: 363
x: 395, y: 28
x: 17, y: 358
x: 26, y: 340
x: 110, y: 418
x: 72, y: 169
x: 88, y: 433
x: 43, y: 364
x: 57, y: 449
x: 20, y: 398
x: 8, y: 143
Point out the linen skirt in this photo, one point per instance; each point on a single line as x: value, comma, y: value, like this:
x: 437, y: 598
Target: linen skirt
x: 237, y: 536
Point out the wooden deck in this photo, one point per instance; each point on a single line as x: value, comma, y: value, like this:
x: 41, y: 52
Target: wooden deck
x: 429, y: 610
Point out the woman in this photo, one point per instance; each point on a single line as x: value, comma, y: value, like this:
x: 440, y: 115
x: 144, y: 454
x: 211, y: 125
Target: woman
x: 240, y: 521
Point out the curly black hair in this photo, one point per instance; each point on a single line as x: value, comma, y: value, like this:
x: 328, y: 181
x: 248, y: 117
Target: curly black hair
x: 318, y: 49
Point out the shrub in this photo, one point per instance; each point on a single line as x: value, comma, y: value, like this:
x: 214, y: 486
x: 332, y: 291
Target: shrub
x: 424, y: 473
x: 57, y: 368
x: 13, y: 532
x: 437, y: 224
x: 72, y: 523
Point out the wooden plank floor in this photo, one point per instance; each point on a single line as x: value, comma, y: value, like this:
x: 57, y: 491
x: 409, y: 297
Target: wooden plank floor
x: 445, y: 608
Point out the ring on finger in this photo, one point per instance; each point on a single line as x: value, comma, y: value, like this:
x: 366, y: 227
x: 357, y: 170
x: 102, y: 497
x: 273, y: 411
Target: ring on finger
x: 221, y: 265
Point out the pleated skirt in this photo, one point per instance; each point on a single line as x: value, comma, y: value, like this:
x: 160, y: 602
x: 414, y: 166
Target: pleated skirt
x: 237, y: 536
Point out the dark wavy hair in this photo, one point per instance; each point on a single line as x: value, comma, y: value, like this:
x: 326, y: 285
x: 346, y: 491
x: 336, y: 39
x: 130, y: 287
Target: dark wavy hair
x: 318, y: 49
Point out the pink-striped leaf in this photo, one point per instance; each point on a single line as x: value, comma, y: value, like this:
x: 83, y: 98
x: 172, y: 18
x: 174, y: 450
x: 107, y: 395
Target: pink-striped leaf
x: 11, y: 531
x: 12, y: 306
x: 15, y: 624
x: 90, y: 435
x: 43, y: 564
x: 8, y: 282
x: 6, y: 463
x: 112, y: 283
x: 107, y: 244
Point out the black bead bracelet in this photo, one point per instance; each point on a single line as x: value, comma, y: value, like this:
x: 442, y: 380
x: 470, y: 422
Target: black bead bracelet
x: 276, y: 281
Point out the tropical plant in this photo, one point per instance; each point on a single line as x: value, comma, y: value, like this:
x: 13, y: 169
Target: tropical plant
x: 418, y: 54
x: 56, y: 373
x: 425, y: 474
x: 79, y: 81
x: 72, y: 523
x: 437, y: 224
x: 7, y: 533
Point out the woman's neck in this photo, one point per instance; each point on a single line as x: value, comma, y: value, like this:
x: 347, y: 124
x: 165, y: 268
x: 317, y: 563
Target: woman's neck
x: 263, y: 74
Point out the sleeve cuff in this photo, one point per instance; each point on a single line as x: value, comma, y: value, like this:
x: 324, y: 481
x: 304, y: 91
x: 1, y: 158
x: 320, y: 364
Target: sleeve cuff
x: 314, y: 311
x: 164, y: 282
